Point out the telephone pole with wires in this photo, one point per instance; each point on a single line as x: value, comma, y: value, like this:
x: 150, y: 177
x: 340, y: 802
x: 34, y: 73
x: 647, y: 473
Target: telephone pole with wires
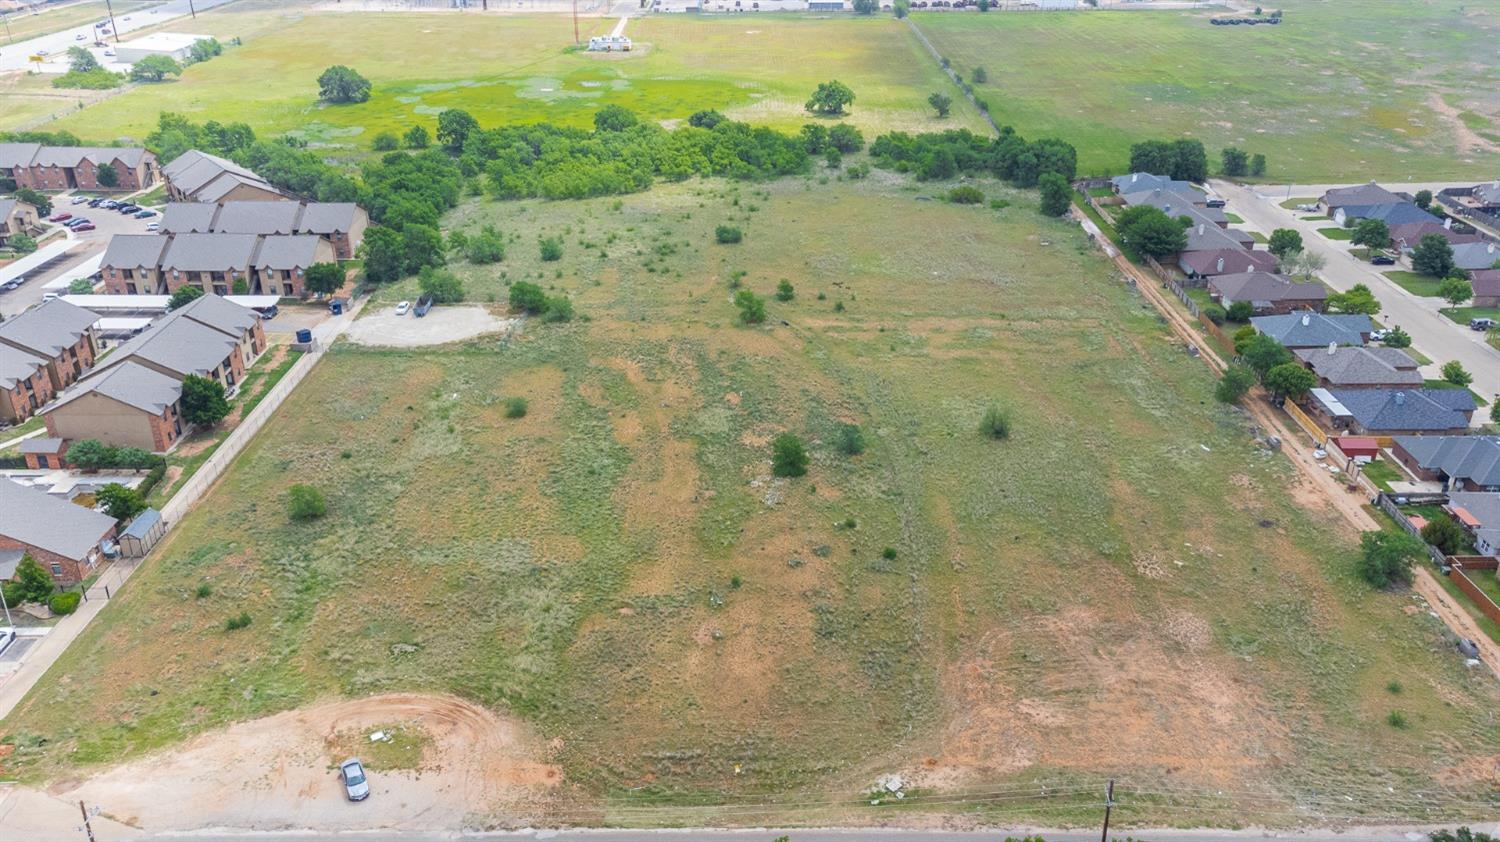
x: 1109, y: 802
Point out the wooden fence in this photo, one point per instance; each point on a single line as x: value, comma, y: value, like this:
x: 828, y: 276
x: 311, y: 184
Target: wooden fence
x: 1461, y: 565
x: 1307, y: 424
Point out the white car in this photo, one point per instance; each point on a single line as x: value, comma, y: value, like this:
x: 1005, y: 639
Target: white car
x: 78, y: 200
x: 109, y: 53
x: 153, y: 226
x: 403, y: 308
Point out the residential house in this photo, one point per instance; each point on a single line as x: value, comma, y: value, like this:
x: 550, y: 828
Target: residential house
x: 1307, y: 329
x: 1138, y: 182
x: 24, y: 384
x: 1471, y: 256
x: 342, y: 223
x: 281, y: 262
x: 1175, y: 204
x: 1483, y: 198
x: 1486, y: 283
x: 1479, y: 513
x: 66, y: 539
x: 239, y: 323
x: 43, y: 454
x: 1391, y: 213
x: 1354, y: 367
x: 1405, y: 236
x: 1266, y: 292
x: 200, y: 177
x: 1206, y: 264
x: 132, y: 265
x: 210, y: 262
x: 1362, y: 195
x: 57, y: 332
x: 1460, y: 463
x: 1205, y: 235
x: 77, y: 167
x: 128, y: 404
x: 16, y: 217
x: 1392, y: 412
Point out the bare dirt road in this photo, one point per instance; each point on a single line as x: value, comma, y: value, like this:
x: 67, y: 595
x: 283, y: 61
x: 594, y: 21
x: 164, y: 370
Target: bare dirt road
x: 280, y: 773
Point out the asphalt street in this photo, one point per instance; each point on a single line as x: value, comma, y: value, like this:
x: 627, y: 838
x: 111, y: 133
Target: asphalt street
x: 14, y: 56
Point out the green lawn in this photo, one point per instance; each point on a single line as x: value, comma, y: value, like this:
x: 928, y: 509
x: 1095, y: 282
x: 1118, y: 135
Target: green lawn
x: 1291, y: 204
x: 1382, y: 473
x: 1336, y: 233
x: 520, y: 69
x: 1234, y: 218
x: 1462, y: 315
x: 1339, y: 91
x: 1415, y: 283
x: 619, y: 570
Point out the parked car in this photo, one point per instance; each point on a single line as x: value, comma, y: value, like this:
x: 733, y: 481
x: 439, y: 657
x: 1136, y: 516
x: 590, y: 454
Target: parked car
x: 109, y: 53
x: 1379, y: 335
x: 1481, y: 324
x: 109, y: 204
x: 145, y: 213
x: 60, y: 217
x: 13, y: 283
x: 403, y: 308
x: 79, y: 37
x: 268, y: 313
x: 78, y: 200
x: 1215, y: 203
x: 1383, y: 260
x: 94, y: 203
x: 50, y: 296
x: 356, y: 786
x: 127, y: 209
x: 153, y: 226
x: 87, y: 226
x: 423, y: 305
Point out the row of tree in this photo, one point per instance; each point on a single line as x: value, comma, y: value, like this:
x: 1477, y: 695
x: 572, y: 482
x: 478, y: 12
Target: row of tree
x: 943, y: 155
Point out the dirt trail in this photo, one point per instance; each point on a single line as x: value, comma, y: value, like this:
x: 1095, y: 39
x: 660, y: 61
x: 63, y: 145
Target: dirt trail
x: 1347, y: 503
x: 277, y: 773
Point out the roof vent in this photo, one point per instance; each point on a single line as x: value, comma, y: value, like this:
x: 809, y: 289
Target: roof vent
x: 1134, y: 176
x: 1333, y: 347
x: 1200, y: 228
x: 1219, y: 266
x: 1306, y: 319
x: 1400, y: 398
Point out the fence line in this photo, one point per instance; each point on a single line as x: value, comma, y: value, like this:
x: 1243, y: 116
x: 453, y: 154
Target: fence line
x: 1482, y: 600
x: 952, y: 74
x: 1307, y: 424
x: 1388, y: 506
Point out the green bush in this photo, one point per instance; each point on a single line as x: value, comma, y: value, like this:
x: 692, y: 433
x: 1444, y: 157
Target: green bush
x: 751, y: 306
x: 851, y: 440
x: 889, y: 553
x: 385, y: 142
x: 64, y: 603
x: 527, y: 297
x: 966, y: 195
x: 788, y: 456
x: 727, y: 235
x: 1215, y: 313
x: 237, y: 623
x: 515, y: 407
x: 995, y: 423
x: 305, y: 503
x: 1240, y: 311
x: 551, y: 248
x: 785, y: 291
x: 203, y: 591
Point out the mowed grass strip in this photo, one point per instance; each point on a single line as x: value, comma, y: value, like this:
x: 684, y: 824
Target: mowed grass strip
x: 620, y: 568
x: 1338, y: 91
x: 507, y: 69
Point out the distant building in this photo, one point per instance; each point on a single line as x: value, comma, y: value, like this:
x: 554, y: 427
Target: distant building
x: 200, y: 177
x: 177, y: 45
x: 16, y: 217
x: 1361, y: 367
x: 1460, y: 463
x: 1358, y: 195
x: 154, y: 264
x: 77, y: 167
x: 609, y: 44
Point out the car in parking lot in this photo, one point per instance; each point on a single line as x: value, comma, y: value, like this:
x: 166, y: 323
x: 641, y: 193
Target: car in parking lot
x: 127, y: 209
x: 77, y: 221
x: 87, y: 226
x: 60, y: 217
x: 356, y: 785
x: 403, y: 308
x: 111, y: 204
x: 78, y: 200
x: 153, y: 226
x: 145, y: 213
x: 1481, y: 324
x: 13, y: 283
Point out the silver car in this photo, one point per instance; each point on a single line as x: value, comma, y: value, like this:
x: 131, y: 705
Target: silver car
x: 355, y: 784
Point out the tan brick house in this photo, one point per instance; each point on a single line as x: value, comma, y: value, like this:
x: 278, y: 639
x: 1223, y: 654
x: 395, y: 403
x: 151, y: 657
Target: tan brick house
x: 24, y: 385
x: 57, y: 332
x: 65, y: 539
x: 16, y: 217
x: 127, y: 405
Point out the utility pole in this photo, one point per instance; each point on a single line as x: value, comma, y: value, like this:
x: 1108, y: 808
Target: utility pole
x: 575, y: 23
x: 1109, y: 802
x: 112, y: 26
x: 88, y: 828
x: 193, y: 10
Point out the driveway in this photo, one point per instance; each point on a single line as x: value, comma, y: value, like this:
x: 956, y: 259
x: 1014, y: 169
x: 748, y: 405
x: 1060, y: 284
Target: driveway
x: 441, y: 325
x: 1432, y: 333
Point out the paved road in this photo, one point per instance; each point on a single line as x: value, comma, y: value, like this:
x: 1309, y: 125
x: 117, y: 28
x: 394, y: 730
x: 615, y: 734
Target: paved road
x: 13, y: 56
x: 1432, y: 333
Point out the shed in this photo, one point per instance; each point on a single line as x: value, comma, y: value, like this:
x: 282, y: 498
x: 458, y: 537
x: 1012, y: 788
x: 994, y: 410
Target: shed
x: 1359, y: 446
x: 142, y: 534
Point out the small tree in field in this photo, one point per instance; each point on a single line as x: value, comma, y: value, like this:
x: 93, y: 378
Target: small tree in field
x: 342, y: 84
x: 851, y: 440
x: 417, y: 137
x: 726, y: 235
x: 788, y: 456
x: 785, y: 291
x: 1057, y: 196
x: 527, y: 297
x: 1236, y: 382
x: 1386, y: 557
x: 154, y: 69
x: 1236, y: 162
x: 830, y: 98
x: 203, y: 401
x: 751, y: 306
x: 1257, y: 165
x: 941, y: 103
x: 1444, y: 533
x: 305, y: 503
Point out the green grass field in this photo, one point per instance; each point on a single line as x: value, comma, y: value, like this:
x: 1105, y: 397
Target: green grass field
x: 1338, y: 91
x: 1122, y: 587
x: 516, y: 69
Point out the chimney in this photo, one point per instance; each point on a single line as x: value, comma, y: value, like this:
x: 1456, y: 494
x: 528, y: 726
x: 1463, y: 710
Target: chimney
x: 1134, y: 176
x: 1333, y: 347
x: 1400, y: 399
x: 1219, y: 266
x: 1200, y: 228
x: 1447, y: 223
x: 1306, y: 319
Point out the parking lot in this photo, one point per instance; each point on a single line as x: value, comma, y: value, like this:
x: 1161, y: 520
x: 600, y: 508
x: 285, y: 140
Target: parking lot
x: 86, y: 244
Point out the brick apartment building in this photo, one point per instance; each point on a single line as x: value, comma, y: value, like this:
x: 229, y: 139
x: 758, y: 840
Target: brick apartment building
x: 17, y: 217
x: 343, y: 224
x: 77, y: 167
x: 200, y: 177
x: 65, y: 539
x: 58, y: 333
x: 127, y: 405
x: 151, y: 264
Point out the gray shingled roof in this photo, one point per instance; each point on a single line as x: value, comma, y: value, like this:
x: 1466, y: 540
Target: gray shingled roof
x: 188, y: 217
x: 216, y: 312
x: 1406, y: 409
x: 179, y: 345
x: 1203, y: 235
x: 1362, y: 366
x: 1475, y: 255
x: 1175, y: 204
x: 1206, y: 262
x: 1483, y: 505
x: 209, y: 252
x: 7, y: 205
x: 1474, y: 458
x: 134, y: 251
x: 219, y: 187
x: 129, y: 383
x: 327, y: 218
x: 1264, y: 286
x: 1306, y: 329
x: 48, y: 329
x: 72, y: 156
x: 1361, y: 194
x: 1391, y: 213
x: 1486, y: 282
x: 40, y: 520
x: 14, y: 155
x: 17, y: 365
x: 40, y: 445
x: 1488, y: 192
x: 1138, y: 181
x: 264, y: 217
x: 297, y: 251
x: 193, y: 169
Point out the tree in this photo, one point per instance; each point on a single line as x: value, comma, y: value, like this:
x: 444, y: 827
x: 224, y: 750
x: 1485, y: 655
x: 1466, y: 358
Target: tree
x: 751, y: 306
x: 851, y: 440
x: 382, y: 253
x: 941, y: 103
x: 1371, y: 233
x: 80, y: 60
x: 984, y: 5
x: 1284, y: 242
x: 1455, y: 373
x: 830, y: 98
x: 1423, y: 199
x: 440, y: 285
x: 1235, y: 162
x: 90, y: 454
x: 417, y: 137
x: 488, y: 246
x: 728, y: 235
x: 1495, y: 410
x: 1057, y: 196
x: 527, y: 297
x: 1444, y: 533
x: 108, y: 176
x: 1289, y: 380
x: 80, y: 286
x: 1397, y: 338
x: 901, y: 8
x: 1190, y: 160
x: 866, y: 7
x: 239, y: 287
x: 979, y: 75
x: 421, y: 245
x: 1236, y: 382
x: 846, y: 138
x: 788, y: 456
x: 1257, y: 165
x: 204, y: 49
x: 1304, y: 264
x: 21, y: 243
x: 304, y: 503
x: 154, y: 68
x: 119, y: 502
x: 203, y: 401
x: 815, y: 138
x: 614, y: 118
x: 1386, y: 557
x: 323, y: 278
x: 785, y: 291
x: 1463, y: 834
x: 36, y: 199
x: 1152, y: 156
x: 183, y: 295
x: 1359, y: 300
x: 1455, y: 290
x: 385, y: 142
x: 1262, y: 353
x: 1150, y: 232
x: 35, y: 584
x: 550, y: 248
x: 1433, y: 256
x: 706, y: 119
x: 1240, y: 311
x: 342, y: 84
x: 454, y: 127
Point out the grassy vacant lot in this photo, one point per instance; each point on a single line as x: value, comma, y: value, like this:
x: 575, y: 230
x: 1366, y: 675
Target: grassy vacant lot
x: 517, y: 69
x: 1124, y: 586
x: 1338, y: 91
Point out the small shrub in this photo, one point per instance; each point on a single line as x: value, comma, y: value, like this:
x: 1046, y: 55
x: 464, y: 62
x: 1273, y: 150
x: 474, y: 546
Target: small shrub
x: 1396, y: 719
x: 64, y: 603
x: 237, y: 623
x: 727, y: 235
x: 1240, y: 311
x: 889, y: 553
x: 1215, y: 313
x: 306, y: 503
x: 515, y: 407
x: 966, y: 195
x: 751, y: 306
x: 851, y: 440
x: 551, y: 248
x: 999, y: 204
x: 788, y: 456
x: 203, y: 591
x: 995, y: 423
x: 785, y: 291
x: 1394, y: 688
x: 735, y: 583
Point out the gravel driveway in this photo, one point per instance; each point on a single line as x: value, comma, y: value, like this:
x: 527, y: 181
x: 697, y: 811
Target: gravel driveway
x: 440, y: 326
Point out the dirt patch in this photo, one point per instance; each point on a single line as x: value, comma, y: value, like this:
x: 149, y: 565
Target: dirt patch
x: 439, y: 327
x: 1468, y: 141
x: 280, y: 772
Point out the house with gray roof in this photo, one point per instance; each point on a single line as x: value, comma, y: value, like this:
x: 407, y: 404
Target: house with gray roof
x: 1175, y: 204
x: 1204, y: 235
x: 1358, y: 195
x: 1355, y: 367
x: 196, y: 176
x: 188, y: 218
x: 132, y: 265
x: 1486, y: 284
x: 1197, y: 265
x: 1307, y: 329
x: 1463, y: 463
x: 1470, y: 256
x: 281, y: 262
x: 1406, y: 235
x: 1137, y: 182
x: 214, y: 262
x: 1393, y: 412
x: 77, y: 167
x: 66, y: 539
x: 1267, y: 292
x: 57, y: 332
x: 17, y: 217
x: 1479, y: 513
x: 24, y: 385
x: 235, y: 321
x: 1391, y: 213
x: 127, y: 404
x: 179, y: 347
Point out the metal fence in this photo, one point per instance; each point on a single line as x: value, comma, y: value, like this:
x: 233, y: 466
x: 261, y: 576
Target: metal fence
x: 1388, y: 506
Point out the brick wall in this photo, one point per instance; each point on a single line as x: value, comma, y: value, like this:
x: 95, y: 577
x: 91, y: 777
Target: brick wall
x: 65, y: 571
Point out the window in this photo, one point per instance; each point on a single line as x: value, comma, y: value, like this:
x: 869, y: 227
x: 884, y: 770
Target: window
x: 56, y: 569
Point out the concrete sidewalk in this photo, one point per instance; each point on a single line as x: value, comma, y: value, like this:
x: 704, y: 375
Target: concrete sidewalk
x: 14, y: 687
